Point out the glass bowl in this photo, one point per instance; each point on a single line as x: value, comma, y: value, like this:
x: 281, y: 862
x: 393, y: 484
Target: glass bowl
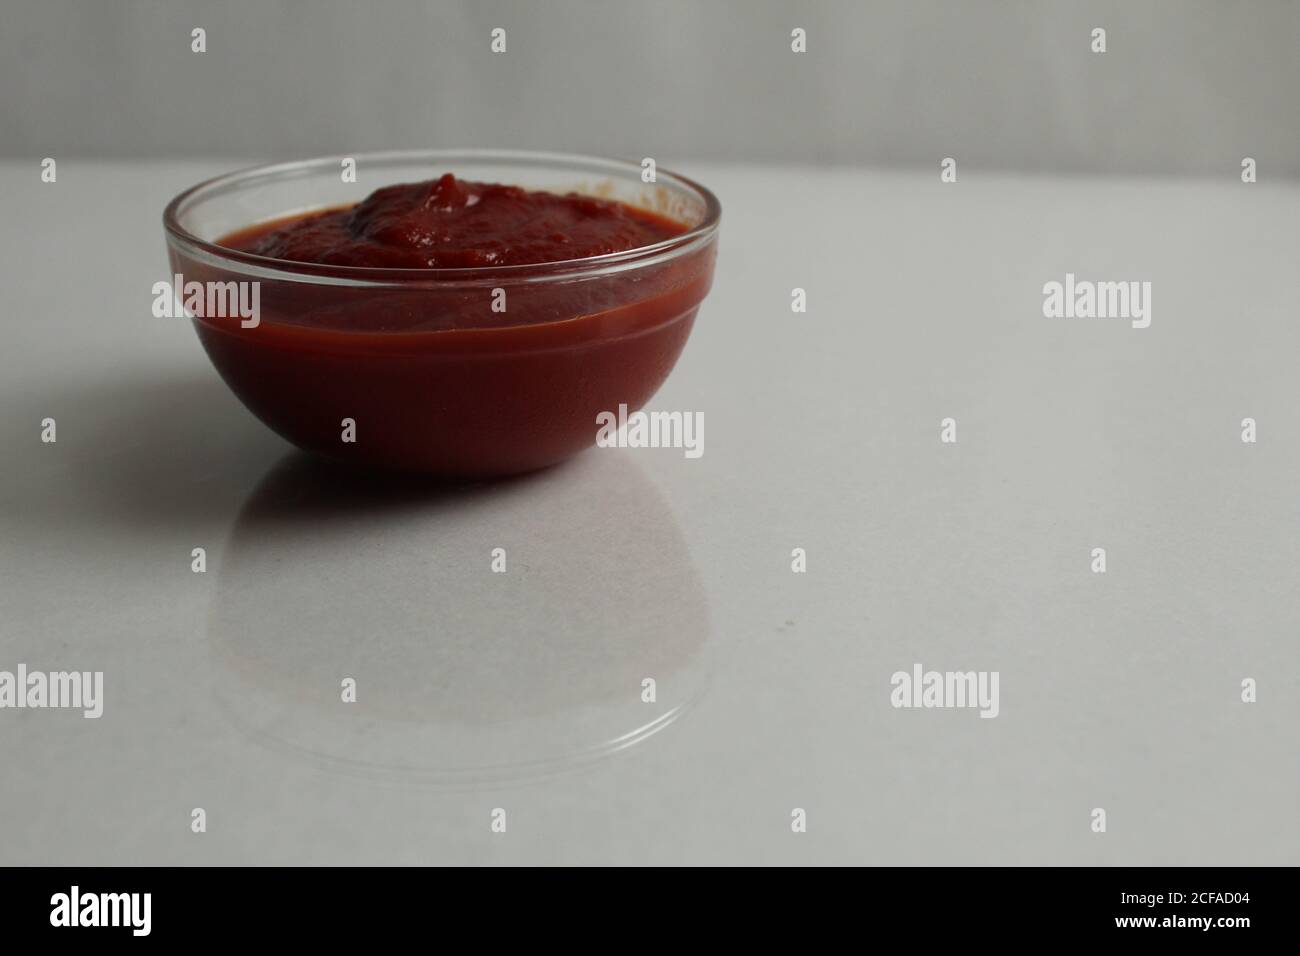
x: 463, y: 373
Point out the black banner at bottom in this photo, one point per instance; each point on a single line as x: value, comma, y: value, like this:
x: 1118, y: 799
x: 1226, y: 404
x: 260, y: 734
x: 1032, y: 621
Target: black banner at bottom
x: 93, y: 905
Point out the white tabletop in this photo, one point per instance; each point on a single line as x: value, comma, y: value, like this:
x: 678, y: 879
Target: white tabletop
x: 522, y: 691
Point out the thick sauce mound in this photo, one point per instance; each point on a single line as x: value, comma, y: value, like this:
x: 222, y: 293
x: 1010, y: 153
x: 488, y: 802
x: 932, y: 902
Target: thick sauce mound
x: 451, y: 223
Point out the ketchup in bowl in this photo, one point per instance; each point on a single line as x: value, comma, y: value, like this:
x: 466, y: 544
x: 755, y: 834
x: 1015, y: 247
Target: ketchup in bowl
x: 447, y: 223
x: 456, y: 327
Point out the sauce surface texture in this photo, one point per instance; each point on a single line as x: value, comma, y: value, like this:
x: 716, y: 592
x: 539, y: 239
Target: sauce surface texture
x: 450, y: 223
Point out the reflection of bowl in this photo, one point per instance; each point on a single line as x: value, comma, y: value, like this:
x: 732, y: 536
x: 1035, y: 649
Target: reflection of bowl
x: 433, y: 377
x: 461, y: 673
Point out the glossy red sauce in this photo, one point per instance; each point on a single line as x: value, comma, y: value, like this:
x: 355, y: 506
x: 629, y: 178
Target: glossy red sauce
x: 449, y: 223
x: 435, y: 379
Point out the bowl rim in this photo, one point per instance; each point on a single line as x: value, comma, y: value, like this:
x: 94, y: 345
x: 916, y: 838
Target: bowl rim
x: 637, y: 257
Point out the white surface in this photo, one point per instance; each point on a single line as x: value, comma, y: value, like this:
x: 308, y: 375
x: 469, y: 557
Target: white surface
x: 479, y: 691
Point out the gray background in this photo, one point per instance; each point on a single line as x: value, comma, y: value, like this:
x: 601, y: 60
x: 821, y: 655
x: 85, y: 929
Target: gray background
x: 1186, y: 87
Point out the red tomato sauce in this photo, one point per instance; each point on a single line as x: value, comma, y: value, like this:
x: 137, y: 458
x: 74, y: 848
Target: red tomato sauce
x: 449, y: 223
x: 434, y: 376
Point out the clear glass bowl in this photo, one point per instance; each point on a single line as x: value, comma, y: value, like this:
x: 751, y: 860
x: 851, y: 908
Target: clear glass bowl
x: 431, y: 377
